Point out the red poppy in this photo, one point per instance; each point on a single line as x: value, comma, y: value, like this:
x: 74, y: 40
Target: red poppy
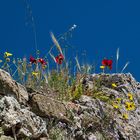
x: 59, y: 59
x: 33, y: 60
x: 42, y: 61
x: 107, y: 63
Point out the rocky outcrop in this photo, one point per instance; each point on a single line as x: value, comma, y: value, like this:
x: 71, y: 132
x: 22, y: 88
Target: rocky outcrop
x: 109, y: 109
x: 101, y: 86
x: 3, y: 137
x: 45, y: 106
x: 9, y: 87
x: 19, y: 120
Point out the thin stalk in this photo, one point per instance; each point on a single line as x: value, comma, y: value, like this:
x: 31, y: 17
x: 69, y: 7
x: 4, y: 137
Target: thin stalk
x: 125, y: 66
x: 117, y: 59
x: 61, y: 36
x: 31, y: 19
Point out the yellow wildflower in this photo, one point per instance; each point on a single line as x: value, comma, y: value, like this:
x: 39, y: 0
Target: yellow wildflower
x: 35, y: 73
x: 130, y: 96
x: 114, y: 85
x: 7, y: 54
x: 115, y: 106
x: 118, y: 100
x: 125, y: 116
x: 0, y: 61
x: 129, y: 106
x: 102, y: 67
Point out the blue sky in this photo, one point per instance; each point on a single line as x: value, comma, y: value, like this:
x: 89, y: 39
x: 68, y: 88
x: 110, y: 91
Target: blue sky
x: 102, y: 27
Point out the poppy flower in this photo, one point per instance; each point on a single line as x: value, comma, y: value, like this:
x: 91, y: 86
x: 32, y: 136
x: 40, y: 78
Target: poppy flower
x: 42, y: 61
x: 33, y: 60
x: 59, y: 59
x: 107, y: 63
x: 104, y: 62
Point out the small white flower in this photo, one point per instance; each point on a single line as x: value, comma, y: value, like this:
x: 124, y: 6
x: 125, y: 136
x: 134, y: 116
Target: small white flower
x: 74, y: 25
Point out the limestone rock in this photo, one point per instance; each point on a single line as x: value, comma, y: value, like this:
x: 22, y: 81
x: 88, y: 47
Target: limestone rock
x: 48, y: 107
x: 91, y: 117
x: 9, y: 87
x: 25, y: 123
x: 102, y: 115
x: 3, y: 137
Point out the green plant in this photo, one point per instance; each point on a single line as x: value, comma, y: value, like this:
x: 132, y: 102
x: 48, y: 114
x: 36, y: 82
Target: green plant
x: 77, y: 92
x: 101, y: 96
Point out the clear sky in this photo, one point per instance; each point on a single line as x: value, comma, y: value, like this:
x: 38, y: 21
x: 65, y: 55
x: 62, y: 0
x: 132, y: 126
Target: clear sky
x: 102, y: 27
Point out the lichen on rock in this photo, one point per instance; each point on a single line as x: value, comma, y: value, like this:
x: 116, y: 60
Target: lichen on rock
x: 25, y: 123
x: 109, y: 109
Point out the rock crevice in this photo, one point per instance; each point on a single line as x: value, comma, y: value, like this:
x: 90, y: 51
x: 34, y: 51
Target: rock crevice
x: 107, y: 113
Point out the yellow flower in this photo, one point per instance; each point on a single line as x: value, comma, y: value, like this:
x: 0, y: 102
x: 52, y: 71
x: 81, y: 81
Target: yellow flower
x: 129, y: 106
x: 35, y: 73
x: 115, y: 106
x: 7, y: 54
x: 125, y: 116
x: 114, y: 85
x: 118, y: 100
x: 130, y: 96
x: 0, y: 61
x: 102, y: 67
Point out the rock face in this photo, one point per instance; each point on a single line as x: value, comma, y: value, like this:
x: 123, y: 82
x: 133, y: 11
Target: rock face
x: 117, y: 127
x: 24, y: 122
x: 9, y: 87
x: 47, y: 107
x: 109, y: 109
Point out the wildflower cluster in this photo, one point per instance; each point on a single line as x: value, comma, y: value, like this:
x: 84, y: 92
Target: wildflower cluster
x: 6, y: 61
x: 106, y: 63
x: 35, y: 71
x: 40, y: 60
x: 126, y: 104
